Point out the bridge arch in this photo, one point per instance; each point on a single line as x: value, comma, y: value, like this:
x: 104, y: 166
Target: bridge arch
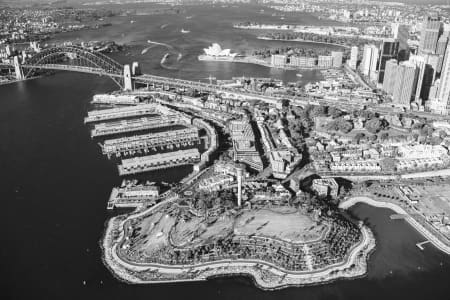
x: 87, y: 60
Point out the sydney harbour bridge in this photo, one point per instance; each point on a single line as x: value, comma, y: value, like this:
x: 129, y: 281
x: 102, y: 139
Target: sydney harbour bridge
x: 80, y: 59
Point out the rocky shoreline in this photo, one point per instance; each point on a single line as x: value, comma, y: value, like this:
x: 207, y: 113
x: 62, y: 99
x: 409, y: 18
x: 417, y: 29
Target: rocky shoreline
x: 266, y: 276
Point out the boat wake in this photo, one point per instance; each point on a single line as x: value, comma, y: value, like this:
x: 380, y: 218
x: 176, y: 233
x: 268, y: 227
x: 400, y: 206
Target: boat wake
x: 161, y: 44
x: 164, y: 60
x: 164, y: 26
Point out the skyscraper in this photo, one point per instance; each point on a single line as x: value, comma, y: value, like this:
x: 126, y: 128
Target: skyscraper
x: 370, y: 60
x: 390, y: 76
x: 405, y: 84
x: 401, y: 33
x: 442, y: 45
x: 353, y: 58
x: 444, y: 86
x: 389, y: 50
x: 432, y: 29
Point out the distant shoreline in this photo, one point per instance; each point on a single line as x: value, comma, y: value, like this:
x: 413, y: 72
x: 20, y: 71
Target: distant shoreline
x: 302, y: 41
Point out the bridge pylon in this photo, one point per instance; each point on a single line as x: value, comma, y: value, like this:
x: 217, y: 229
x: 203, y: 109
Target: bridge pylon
x: 18, y: 68
x: 127, y: 78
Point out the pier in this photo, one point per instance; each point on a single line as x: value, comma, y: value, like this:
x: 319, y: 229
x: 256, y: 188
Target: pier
x: 144, y: 123
x: 158, y: 161
x: 134, y: 196
x: 420, y: 245
x: 121, y: 112
x: 153, y: 141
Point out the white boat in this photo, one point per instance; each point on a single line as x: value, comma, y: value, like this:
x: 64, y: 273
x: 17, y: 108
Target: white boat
x: 299, y: 75
x: 185, y: 31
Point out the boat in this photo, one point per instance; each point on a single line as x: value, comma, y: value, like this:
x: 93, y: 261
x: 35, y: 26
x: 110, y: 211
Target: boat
x: 189, y: 17
x: 185, y: 31
x: 299, y: 75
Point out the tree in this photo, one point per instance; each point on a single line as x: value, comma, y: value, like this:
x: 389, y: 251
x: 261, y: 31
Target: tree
x: 384, y: 136
x: 358, y: 137
x: 375, y: 125
x: 335, y: 112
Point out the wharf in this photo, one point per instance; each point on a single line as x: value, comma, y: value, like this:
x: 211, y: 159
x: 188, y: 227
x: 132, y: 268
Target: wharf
x: 143, y: 143
x: 144, y: 123
x: 158, y: 161
x: 135, y: 196
x: 120, y: 112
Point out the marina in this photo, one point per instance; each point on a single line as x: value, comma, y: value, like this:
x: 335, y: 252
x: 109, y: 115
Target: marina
x: 144, y: 123
x: 117, y: 113
x: 152, y: 141
x: 158, y: 161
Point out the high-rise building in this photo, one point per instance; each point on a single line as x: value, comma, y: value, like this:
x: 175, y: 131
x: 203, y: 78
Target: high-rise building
x: 442, y: 45
x: 389, y: 50
x: 353, y: 58
x: 426, y: 65
x: 401, y: 33
x: 390, y: 76
x: 432, y: 29
x: 444, y: 86
x: 370, y: 60
x: 406, y: 83
x: 337, y: 58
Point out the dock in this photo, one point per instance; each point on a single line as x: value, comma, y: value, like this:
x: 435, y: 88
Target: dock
x: 120, y: 112
x: 134, y: 196
x: 144, y: 123
x: 420, y: 245
x: 153, y: 141
x: 158, y: 161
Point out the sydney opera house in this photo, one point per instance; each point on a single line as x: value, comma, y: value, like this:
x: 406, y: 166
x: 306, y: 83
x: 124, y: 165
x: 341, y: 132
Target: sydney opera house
x: 215, y: 52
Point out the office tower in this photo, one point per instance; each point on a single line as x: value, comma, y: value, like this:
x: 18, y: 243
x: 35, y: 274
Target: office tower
x: 405, y: 85
x: 401, y: 33
x: 390, y: 76
x: 389, y: 50
x: 370, y: 60
x: 444, y: 86
x: 431, y: 31
x: 337, y: 58
x: 426, y: 65
x: 442, y: 45
x: 353, y: 58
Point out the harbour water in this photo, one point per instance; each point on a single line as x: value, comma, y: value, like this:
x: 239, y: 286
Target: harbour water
x: 56, y: 183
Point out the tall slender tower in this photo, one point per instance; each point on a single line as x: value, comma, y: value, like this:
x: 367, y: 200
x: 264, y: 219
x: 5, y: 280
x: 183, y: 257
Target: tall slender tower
x: 444, y: 87
x: 353, y: 58
x: 240, y: 173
